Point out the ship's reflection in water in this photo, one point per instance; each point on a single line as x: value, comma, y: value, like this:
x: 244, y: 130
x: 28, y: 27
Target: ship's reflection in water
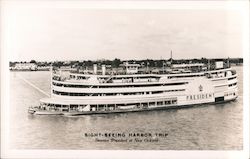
x: 201, y: 127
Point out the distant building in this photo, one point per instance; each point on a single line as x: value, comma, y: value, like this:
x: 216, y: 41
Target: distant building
x: 68, y: 68
x: 131, y: 68
x: 25, y: 67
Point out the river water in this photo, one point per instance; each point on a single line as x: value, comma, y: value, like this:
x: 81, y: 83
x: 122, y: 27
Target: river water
x: 204, y: 127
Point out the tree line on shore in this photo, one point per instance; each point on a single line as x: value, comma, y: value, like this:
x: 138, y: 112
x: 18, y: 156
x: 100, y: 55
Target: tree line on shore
x: 117, y: 62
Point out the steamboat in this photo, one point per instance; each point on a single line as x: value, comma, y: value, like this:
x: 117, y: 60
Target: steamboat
x: 133, y: 88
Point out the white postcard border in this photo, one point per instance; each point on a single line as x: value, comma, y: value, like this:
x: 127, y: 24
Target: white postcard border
x: 241, y: 6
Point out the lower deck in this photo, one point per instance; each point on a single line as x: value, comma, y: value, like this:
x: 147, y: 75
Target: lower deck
x: 74, y: 110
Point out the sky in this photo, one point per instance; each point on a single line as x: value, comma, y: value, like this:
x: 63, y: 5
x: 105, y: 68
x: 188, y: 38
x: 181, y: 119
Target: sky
x: 49, y: 34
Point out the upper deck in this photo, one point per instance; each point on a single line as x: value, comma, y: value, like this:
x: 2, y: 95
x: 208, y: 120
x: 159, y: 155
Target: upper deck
x: 133, y: 79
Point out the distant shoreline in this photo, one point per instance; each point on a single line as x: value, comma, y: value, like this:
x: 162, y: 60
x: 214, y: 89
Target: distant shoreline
x: 116, y: 62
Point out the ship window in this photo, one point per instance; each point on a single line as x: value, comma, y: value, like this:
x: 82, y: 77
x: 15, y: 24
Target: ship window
x: 144, y: 104
x: 151, y: 103
x: 160, y: 103
x: 167, y: 102
x: 174, y: 101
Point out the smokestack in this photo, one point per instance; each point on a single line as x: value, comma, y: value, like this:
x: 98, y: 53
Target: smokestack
x: 103, y: 69
x: 95, y: 69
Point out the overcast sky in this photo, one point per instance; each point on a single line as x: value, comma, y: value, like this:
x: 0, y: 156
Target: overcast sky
x: 90, y: 34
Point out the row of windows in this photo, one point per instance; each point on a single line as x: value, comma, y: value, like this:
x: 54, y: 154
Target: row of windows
x: 166, y: 102
x: 199, y: 75
x: 142, y: 77
x: 157, y: 103
x: 163, y: 102
x: 78, y: 77
x: 107, y: 107
x: 116, y: 78
x: 234, y: 84
x: 113, y: 94
x: 117, y: 86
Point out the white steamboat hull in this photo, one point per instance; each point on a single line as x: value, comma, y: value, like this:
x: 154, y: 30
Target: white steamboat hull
x: 72, y: 99
x: 78, y: 113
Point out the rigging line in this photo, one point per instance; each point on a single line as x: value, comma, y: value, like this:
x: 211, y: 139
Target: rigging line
x: 32, y: 85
